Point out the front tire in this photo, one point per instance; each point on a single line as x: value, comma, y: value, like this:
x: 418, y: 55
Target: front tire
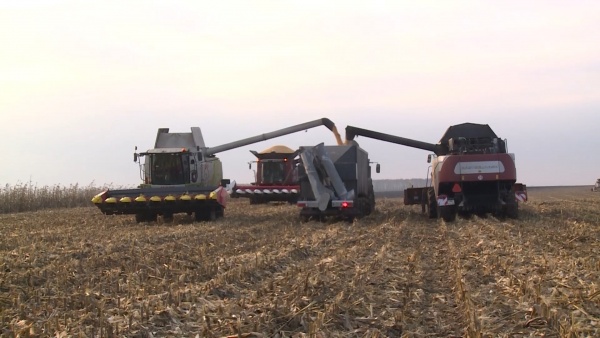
x: 206, y: 215
x: 142, y: 217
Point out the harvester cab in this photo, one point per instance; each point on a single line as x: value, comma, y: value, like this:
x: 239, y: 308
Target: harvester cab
x: 276, y: 174
x: 275, y: 177
x: 471, y: 172
x: 182, y: 175
x: 179, y: 159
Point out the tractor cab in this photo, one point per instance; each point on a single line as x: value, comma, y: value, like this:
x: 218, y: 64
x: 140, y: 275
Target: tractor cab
x: 168, y: 166
x: 177, y: 160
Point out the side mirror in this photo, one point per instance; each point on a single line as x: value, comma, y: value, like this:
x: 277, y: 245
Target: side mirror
x: 135, y: 157
x: 378, y: 168
x: 249, y: 165
x: 429, y: 158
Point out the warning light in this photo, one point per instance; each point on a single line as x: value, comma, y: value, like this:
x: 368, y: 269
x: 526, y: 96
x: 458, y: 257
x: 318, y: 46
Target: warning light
x: 456, y: 188
x: 344, y: 204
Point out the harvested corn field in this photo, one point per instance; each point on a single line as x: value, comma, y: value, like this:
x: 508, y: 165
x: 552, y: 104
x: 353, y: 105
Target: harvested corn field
x: 259, y: 272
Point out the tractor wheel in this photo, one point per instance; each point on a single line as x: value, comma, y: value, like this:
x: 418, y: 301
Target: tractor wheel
x: 511, y: 209
x: 207, y: 214
x: 371, y: 201
x: 140, y: 217
x: 212, y: 215
x: 362, y: 204
x: 145, y: 217
x: 167, y: 218
x: 432, y: 203
x: 200, y: 215
x: 220, y: 212
x: 448, y: 213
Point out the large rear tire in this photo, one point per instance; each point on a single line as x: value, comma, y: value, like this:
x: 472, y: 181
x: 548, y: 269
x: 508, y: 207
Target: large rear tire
x: 447, y: 213
x: 511, y: 209
x: 371, y: 197
x: 432, y: 203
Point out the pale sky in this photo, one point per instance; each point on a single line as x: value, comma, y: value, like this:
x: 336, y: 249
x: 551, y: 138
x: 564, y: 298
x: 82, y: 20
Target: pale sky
x: 82, y: 82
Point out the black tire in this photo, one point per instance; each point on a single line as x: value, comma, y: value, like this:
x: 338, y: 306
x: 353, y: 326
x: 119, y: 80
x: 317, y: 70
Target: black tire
x: 212, y: 215
x: 362, y: 204
x: 447, y: 213
x: 200, y: 215
x: 371, y: 197
x: 511, y: 209
x: 143, y: 217
x: 167, y: 218
x: 151, y: 217
x: 206, y: 215
x: 432, y: 203
x: 140, y: 217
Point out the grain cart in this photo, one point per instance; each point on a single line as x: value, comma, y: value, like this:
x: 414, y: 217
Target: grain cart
x: 181, y: 175
x: 471, y: 172
x: 335, y: 181
x: 276, y: 175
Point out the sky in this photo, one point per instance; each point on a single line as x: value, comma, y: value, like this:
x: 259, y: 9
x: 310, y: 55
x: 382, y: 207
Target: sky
x: 83, y: 83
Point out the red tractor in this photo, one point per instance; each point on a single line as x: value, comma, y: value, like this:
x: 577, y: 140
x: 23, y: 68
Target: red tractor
x: 471, y: 172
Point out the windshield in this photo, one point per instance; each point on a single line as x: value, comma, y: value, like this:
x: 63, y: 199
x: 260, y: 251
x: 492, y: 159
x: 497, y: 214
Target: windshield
x: 273, y: 172
x: 168, y: 168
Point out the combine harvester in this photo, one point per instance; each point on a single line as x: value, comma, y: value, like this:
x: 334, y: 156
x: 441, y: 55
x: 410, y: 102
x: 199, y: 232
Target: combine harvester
x: 471, y: 172
x: 335, y: 181
x: 182, y: 175
x: 276, y: 175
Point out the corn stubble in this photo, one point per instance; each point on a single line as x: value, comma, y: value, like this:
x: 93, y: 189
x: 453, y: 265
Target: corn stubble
x: 261, y: 273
